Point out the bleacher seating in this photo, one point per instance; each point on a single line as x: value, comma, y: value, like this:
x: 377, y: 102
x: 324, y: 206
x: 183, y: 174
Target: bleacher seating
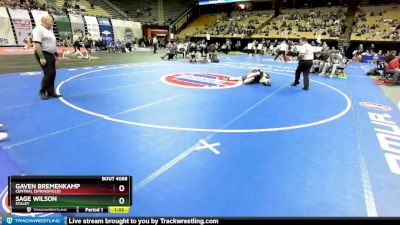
x: 238, y: 25
x: 97, y: 11
x: 174, y: 8
x: 199, y: 24
x: 296, y: 23
x: 140, y: 11
x: 114, y: 13
x: 29, y: 4
x: 377, y: 23
x: 327, y: 23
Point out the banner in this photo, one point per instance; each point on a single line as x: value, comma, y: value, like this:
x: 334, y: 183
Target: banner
x: 106, y: 31
x: 22, y: 24
x: 92, y: 26
x: 37, y: 16
x: 6, y: 32
x: 63, y: 26
x: 126, y: 30
x: 136, y: 29
x: 77, y: 24
x: 119, y: 29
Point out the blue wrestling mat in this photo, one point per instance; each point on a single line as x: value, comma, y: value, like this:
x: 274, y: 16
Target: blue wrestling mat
x: 199, y: 145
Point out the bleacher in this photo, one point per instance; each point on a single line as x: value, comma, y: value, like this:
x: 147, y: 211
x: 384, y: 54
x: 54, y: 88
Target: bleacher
x: 327, y: 23
x: 174, y: 8
x: 377, y: 23
x: 114, y: 14
x: 298, y: 23
x: 199, y: 24
x: 140, y: 11
x: 97, y: 11
x: 240, y: 24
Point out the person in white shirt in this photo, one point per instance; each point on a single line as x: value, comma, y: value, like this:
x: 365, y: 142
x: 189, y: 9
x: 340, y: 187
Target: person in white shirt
x: 46, y: 54
x: 281, y: 50
x: 306, y: 57
x: 155, y: 44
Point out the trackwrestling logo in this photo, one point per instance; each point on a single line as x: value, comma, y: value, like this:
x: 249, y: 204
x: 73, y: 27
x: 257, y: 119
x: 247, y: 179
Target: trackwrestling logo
x: 200, y: 80
x: 5, y: 208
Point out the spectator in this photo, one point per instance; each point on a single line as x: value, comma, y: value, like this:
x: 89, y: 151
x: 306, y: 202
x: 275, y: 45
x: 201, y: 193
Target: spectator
x: 281, y: 50
x: 392, y: 65
x: 88, y: 42
x: 155, y: 44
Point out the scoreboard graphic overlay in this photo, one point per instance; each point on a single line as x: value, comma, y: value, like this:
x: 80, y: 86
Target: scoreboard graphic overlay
x: 62, y: 194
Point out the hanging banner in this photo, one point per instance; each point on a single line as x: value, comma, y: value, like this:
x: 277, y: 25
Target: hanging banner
x: 22, y: 24
x: 6, y: 32
x: 126, y: 30
x: 106, y: 31
x: 37, y: 16
x: 92, y: 27
x: 119, y: 29
x: 63, y: 26
x: 136, y: 29
x: 77, y: 24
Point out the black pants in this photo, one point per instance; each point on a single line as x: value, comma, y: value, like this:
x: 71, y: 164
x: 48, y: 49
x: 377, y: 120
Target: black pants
x: 280, y: 53
x: 155, y: 48
x: 77, y: 45
x: 49, y: 70
x: 303, y: 67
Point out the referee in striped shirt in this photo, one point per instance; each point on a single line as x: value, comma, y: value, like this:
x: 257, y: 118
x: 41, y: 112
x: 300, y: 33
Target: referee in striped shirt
x: 306, y: 57
x: 46, y: 54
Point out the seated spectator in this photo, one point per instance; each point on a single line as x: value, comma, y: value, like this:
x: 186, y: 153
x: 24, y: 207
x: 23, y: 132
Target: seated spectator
x: 392, y: 65
x: 182, y: 49
x: 333, y: 62
x: 318, y: 62
x: 171, y: 53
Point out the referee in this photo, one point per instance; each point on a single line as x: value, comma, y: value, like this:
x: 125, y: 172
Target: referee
x: 306, y: 56
x: 46, y: 54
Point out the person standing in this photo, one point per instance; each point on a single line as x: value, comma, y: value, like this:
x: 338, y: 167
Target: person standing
x: 77, y: 38
x: 88, y: 42
x: 46, y: 54
x: 306, y: 56
x: 281, y: 50
x: 155, y: 43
